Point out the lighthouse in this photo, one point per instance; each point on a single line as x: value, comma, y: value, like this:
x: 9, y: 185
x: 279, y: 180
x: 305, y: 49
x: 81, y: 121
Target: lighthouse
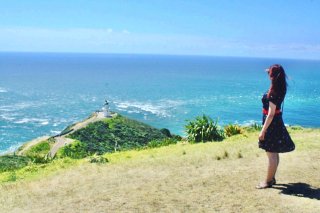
x: 105, y: 109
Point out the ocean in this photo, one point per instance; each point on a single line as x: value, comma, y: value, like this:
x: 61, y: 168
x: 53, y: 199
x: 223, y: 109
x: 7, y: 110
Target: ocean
x: 42, y: 93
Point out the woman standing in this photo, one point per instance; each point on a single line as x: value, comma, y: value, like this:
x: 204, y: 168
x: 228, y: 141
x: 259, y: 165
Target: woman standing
x: 274, y: 137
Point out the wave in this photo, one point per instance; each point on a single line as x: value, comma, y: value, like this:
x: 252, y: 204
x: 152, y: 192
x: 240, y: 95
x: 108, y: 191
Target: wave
x: 250, y: 123
x: 3, y: 90
x: 7, y: 117
x: 160, y: 108
x: 17, y: 106
x: 40, y: 121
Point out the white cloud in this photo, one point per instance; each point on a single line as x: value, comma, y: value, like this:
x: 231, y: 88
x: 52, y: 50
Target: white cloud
x: 111, y: 41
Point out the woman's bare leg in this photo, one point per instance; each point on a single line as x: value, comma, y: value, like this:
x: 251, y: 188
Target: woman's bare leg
x: 273, y: 165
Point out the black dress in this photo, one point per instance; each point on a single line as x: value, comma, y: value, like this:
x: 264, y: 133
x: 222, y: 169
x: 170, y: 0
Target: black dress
x: 277, y: 138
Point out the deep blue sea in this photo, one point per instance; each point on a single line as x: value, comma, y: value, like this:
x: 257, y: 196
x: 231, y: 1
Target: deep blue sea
x: 41, y: 94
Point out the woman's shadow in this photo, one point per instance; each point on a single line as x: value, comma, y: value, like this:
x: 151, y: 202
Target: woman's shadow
x: 299, y: 190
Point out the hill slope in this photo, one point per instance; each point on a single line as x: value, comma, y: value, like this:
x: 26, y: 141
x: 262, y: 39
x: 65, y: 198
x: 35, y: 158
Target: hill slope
x: 205, y: 177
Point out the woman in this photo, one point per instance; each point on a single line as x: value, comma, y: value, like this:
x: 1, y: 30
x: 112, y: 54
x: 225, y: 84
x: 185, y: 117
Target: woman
x: 274, y: 137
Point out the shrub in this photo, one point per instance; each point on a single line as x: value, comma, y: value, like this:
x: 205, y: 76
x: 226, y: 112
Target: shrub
x: 226, y: 154
x: 39, y: 152
x: 166, y: 132
x: 98, y: 159
x: 256, y: 126
x: 232, y: 129
x: 296, y: 127
x: 176, y: 137
x: 203, y: 129
x: 159, y: 143
x: 75, y: 150
x: 13, y: 162
x: 116, y: 134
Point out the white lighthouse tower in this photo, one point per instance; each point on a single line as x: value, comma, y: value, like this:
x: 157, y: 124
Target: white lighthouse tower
x: 105, y: 109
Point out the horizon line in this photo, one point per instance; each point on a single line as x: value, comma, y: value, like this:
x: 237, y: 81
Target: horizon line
x: 155, y: 54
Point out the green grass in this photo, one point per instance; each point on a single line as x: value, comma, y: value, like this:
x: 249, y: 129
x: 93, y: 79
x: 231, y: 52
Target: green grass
x: 34, y: 171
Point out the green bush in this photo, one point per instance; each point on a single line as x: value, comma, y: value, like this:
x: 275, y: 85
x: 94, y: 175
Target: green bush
x: 116, y: 134
x: 13, y: 162
x: 203, y: 129
x: 166, y: 132
x: 98, y: 159
x: 75, y: 150
x: 232, y: 129
x: 296, y: 128
x: 256, y: 126
x: 39, y: 152
x: 159, y: 143
x: 177, y: 137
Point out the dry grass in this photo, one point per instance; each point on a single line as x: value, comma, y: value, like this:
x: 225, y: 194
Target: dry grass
x: 179, y: 178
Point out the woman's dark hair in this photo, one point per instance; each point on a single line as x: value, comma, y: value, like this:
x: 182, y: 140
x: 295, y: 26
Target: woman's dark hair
x: 278, y: 81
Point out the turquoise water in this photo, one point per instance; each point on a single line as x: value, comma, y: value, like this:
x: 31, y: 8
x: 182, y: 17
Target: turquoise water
x: 41, y: 94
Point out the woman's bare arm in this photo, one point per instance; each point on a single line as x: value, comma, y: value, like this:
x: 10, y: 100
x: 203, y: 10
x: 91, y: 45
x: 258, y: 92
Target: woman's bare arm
x: 271, y: 113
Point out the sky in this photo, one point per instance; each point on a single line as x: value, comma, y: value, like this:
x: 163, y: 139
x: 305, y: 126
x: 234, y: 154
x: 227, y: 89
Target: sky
x: 256, y: 28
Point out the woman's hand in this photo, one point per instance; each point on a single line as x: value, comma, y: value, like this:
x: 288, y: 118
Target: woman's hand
x: 261, y: 135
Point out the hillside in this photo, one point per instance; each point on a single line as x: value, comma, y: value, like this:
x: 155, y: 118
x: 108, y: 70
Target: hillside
x: 204, y: 177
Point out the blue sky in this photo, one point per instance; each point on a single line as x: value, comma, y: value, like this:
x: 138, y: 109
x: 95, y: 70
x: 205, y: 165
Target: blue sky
x: 273, y: 28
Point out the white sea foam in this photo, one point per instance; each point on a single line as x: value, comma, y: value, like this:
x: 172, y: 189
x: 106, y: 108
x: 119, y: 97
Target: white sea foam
x: 161, y: 108
x: 250, y: 122
x: 18, y: 106
x: 3, y: 90
x: 6, y: 117
x: 44, y: 123
x: 6, y: 108
x: 54, y: 132
x: 40, y: 121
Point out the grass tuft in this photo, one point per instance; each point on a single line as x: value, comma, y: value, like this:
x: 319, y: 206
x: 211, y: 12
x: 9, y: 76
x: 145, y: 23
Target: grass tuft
x: 225, y: 155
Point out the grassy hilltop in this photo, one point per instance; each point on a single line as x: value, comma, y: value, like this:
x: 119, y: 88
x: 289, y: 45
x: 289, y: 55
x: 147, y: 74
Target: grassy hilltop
x: 181, y: 177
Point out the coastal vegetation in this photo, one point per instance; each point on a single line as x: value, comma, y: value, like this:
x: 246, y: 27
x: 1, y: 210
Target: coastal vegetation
x: 232, y: 129
x: 203, y: 129
x: 110, y: 135
x: 38, y: 153
x: 13, y: 162
x: 117, y: 134
x: 93, y: 142
x: 182, y: 177
x: 125, y: 164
